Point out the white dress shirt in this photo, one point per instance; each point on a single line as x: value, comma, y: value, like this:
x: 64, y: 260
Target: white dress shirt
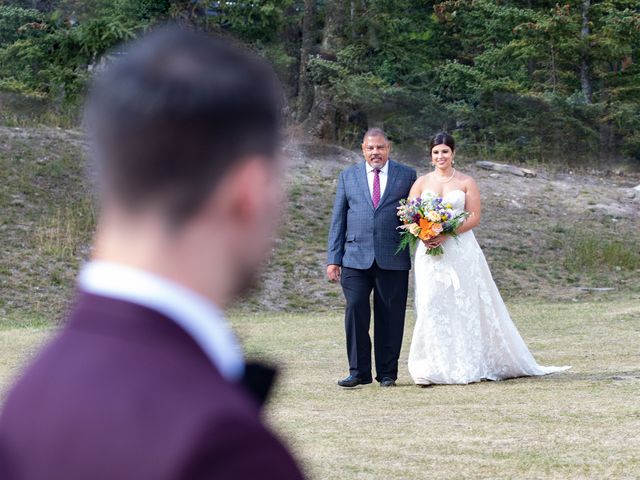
x: 384, y: 175
x: 200, y: 318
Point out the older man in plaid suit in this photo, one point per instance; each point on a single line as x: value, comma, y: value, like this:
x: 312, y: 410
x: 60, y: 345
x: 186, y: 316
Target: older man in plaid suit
x: 363, y: 240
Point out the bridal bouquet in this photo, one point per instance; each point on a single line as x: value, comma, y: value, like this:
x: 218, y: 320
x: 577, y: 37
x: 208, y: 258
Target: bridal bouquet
x: 426, y: 218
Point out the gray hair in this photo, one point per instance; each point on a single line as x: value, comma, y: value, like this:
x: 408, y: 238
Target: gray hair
x: 376, y: 132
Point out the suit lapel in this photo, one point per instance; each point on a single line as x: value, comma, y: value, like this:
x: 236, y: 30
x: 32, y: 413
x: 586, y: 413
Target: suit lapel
x: 364, y: 183
x: 392, y: 175
x: 258, y: 379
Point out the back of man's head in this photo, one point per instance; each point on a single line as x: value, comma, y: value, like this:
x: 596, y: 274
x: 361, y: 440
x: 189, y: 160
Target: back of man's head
x: 173, y: 113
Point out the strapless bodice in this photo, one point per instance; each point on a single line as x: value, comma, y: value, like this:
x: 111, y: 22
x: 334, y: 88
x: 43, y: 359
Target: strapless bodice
x: 455, y: 197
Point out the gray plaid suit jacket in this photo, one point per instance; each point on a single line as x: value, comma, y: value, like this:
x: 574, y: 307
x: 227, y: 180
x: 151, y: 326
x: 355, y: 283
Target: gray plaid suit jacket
x: 360, y: 234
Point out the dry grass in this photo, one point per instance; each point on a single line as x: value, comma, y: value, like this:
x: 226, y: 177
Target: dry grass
x: 581, y: 424
x: 64, y: 235
x: 17, y: 347
x: 46, y: 220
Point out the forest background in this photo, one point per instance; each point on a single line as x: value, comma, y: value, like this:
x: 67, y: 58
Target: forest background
x: 522, y: 80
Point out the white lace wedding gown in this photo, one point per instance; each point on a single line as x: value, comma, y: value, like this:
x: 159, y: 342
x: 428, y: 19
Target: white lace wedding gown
x: 463, y: 331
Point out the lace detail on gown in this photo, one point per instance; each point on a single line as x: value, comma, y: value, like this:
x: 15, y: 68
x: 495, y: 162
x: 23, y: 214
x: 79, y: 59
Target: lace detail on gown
x: 463, y: 331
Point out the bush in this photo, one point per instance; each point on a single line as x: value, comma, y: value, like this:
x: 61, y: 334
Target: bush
x: 589, y: 251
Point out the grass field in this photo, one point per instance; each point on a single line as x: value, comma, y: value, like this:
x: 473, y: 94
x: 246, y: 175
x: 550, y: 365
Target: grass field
x: 584, y: 423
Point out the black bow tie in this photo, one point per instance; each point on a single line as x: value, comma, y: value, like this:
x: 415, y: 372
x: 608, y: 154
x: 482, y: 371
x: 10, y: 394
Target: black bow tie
x: 258, y: 379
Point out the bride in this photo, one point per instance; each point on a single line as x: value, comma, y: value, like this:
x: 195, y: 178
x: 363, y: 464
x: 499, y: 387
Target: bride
x: 463, y: 332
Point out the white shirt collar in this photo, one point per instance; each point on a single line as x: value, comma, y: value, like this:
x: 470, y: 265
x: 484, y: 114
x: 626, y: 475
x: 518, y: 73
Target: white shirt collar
x: 200, y: 318
x: 384, y: 169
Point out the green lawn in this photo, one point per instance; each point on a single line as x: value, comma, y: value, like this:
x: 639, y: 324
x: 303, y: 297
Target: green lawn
x: 584, y: 423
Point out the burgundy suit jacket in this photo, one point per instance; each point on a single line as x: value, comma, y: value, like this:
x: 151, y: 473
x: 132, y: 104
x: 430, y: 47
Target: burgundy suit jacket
x: 124, y: 393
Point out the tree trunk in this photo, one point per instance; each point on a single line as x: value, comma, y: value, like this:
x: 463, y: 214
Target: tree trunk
x: 530, y: 63
x: 505, y: 168
x: 585, y: 81
x: 352, y: 19
x: 554, y: 77
x: 336, y: 12
x: 305, y: 88
x: 323, y: 118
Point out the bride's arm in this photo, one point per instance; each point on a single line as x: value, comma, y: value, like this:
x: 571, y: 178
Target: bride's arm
x: 416, y: 188
x: 473, y: 206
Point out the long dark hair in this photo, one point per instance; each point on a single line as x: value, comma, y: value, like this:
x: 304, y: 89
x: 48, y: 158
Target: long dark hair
x: 440, y: 138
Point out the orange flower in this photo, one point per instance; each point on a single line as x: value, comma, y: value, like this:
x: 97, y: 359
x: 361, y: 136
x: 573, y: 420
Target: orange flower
x: 426, y: 231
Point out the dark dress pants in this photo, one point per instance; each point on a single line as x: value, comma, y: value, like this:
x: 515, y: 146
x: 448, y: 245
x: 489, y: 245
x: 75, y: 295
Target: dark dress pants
x: 389, y: 305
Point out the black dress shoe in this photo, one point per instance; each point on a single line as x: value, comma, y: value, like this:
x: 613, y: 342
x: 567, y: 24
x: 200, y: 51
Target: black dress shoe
x: 352, y: 381
x: 387, y: 382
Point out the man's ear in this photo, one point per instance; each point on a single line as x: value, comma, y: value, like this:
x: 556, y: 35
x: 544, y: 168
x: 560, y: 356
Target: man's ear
x: 238, y: 199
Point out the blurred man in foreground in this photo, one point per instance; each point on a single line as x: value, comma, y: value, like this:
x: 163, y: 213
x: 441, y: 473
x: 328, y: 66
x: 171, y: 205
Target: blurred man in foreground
x: 146, y: 379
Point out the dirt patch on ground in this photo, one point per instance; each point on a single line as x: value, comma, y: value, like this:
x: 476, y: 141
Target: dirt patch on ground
x: 531, y: 227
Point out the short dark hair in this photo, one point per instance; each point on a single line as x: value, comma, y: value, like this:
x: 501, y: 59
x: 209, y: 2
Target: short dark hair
x: 173, y: 113
x: 440, y: 138
x: 375, y: 132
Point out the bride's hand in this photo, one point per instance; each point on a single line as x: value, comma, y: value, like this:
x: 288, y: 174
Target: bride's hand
x: 435, y: 242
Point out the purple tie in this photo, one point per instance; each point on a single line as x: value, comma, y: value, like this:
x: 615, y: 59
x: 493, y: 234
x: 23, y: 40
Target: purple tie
x: 376, y: 187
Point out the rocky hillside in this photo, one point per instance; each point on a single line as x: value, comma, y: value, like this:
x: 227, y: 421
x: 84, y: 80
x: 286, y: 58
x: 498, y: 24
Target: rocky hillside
x: 548, y: 237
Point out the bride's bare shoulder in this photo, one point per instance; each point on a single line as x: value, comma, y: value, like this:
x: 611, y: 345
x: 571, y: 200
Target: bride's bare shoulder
x: 422, y: 179
x: 468, y: 182
x: 418, y: 186
x: 465, y: 178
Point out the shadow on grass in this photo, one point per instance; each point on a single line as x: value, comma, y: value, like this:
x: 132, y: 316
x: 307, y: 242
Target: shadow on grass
x: 627, y: 375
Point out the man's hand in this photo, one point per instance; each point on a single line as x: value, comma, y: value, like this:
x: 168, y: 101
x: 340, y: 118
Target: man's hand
x: 333, y: 273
